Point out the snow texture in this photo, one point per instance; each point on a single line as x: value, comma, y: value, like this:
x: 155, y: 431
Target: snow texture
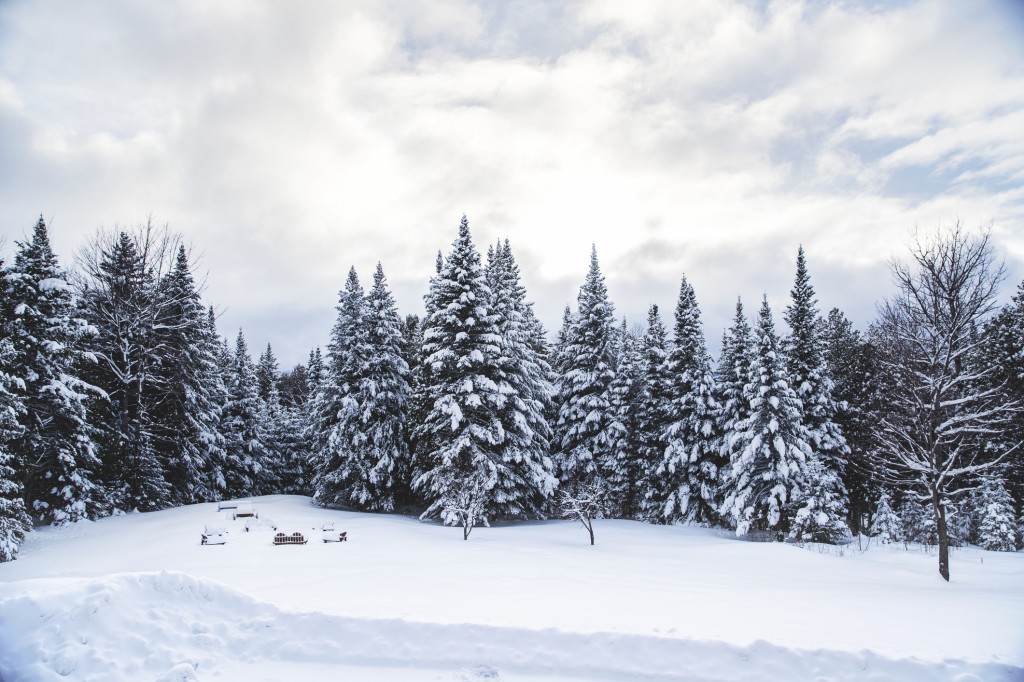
x: 136, y: 597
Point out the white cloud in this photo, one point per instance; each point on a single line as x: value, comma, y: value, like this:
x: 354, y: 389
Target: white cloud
x: 291, y: 141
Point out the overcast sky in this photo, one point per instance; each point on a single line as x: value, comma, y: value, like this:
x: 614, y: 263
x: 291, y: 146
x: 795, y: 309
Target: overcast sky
x: 288, y: 141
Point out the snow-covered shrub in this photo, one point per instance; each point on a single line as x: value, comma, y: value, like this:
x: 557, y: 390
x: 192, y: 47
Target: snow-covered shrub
x: 997, y: 528
x: 886, y: 526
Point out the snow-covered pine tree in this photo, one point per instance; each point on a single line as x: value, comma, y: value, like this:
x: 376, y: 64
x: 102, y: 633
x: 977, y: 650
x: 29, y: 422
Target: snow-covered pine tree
x: 853, y: 364
x: 243, y: 425
x: 14, y: 519
x: 654, y: 414
x: 267, y: 375
x: 186, y: 417
x: 213, y: 373
x: 586, y: 421
x: 733, y: 374
x: 686, y: 483
x: 379, y: 461
x: 886, y: 526
x: 771, y: 446
x: 918, y: 522
x: 525, y: 480
x: 820, y: 507
x: 462, y: 347
x: 809, y: 377
x: 997, y: 529
x: 1003, y: 354
x: 624, y: 471
x: 54, y: 454
x: 339, y: 476
x: 314, y: 372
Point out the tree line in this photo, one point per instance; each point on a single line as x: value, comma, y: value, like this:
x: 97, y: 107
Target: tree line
x: 117, y: 393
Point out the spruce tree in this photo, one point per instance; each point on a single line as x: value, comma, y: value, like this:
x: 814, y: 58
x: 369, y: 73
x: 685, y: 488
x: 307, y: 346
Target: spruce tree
x: 733, y: 374
x: 997, y: 529
x: 462, y: 347
x: 586, y: 422
x: 378, y: 464
x: 267, y: 375
x: 337, y: 477
x: 14, y: 519
x: 624, y: 471
x: 809, y: 377
x: 213, y: 372
x: 770, y: 447
x: 886, y: 526
x: 820, y: 507
x: 121, y: 303
x: 686, y: 483
x: 246, y: 450
x: 186, y: 418
x: 525, y: 479
x: 54, y: 453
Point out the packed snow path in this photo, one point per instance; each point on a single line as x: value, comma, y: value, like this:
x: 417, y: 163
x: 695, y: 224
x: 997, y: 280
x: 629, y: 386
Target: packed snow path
x: 137, y: 597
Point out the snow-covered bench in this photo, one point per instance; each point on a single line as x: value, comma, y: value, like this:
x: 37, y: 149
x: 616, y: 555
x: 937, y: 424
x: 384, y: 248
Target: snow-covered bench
x: 226, y: 504
x: 245, y: 510
x: 214, y: 536
x: 293, y: 539
x: 255, y: 523
x: 331, y: 535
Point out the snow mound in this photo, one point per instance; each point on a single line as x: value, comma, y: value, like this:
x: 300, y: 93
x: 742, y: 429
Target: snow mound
x: 173, y: 627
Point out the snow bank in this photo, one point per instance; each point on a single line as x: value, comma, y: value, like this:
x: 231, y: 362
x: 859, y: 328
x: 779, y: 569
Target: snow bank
x: 174, y: 627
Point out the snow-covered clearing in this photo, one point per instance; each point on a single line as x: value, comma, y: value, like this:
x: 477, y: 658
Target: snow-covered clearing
x: 138, y: 598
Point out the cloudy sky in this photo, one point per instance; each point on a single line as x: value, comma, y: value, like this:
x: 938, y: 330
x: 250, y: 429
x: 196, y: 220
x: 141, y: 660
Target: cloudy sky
x: 290, y: 141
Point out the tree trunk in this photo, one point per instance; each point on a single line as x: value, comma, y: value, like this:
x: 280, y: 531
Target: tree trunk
x: 940, y: 524
x: 590, y: 529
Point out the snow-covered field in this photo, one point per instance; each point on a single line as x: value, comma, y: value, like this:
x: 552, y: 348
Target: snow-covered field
x: 138, y: 598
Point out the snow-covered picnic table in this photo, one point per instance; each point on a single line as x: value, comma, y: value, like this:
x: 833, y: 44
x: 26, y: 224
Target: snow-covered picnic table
x: 213, y: 535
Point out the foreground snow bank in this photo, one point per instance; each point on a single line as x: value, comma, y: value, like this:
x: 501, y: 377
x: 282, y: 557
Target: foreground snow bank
x: 174, y: 627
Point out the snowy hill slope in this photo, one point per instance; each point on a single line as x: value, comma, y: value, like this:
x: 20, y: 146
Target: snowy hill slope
x: 137, y: 598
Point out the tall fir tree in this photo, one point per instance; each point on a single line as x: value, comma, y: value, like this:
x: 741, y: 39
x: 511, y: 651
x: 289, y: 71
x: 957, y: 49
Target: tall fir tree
x: 466, y: 391
x: 14, y: 519
x: 121, y: 303
x: 378, y: 466
x: 267, y: 375
x: 810, y: 378
x: 186, y: 418
x: 623, y: 470
x: 525, y: 478
x: 734, y: 368
x: 337, y: 479
x: 686, y: 484
x: 770, y: 447
x: 245, y: 439
x: 54, y: 453
x: 854, y: 364
x: 997, y: 527
x: 586, y: 422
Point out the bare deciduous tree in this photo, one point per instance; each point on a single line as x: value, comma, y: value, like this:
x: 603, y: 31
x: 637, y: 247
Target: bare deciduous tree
x: 942, y: 411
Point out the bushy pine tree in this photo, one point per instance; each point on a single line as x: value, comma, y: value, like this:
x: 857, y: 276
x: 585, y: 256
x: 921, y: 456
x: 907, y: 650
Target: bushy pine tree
x: 918, y: 522
x: 771, y: 446
x: 997, y: 529
x: 215, y: 373
x: 186, y: 418
x: 122, y: 303
x: 624, y: 470
x: 809, y: 377
x: 854, y: 364
x: 734, y: 366
x: 267, y: 375
x: 525, y: 479
x: 686, y: 483
x: 654, y: 415
x: 54, y: 454
x: 379, y: 460
x: 820, y: 508
x: 465, y: 390
x: 586, y: 423
x: 886, y: 526
x: 336, y: 409
x: 245, y: 439
x: 14, y: 519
